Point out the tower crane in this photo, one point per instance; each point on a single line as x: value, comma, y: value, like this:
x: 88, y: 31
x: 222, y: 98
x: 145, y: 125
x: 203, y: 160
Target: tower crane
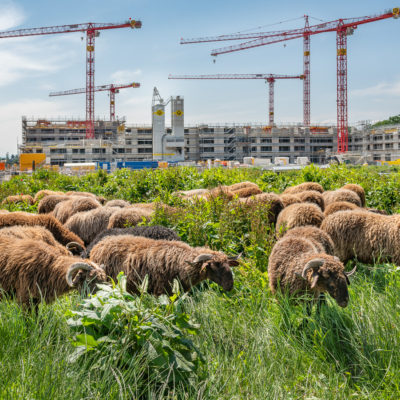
x: 342, y: 27
x: 112, y: 89
x: 270, y: 78
x: 92, y: 31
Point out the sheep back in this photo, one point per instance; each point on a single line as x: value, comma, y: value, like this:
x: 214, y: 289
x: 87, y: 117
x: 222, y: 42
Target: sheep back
x: 67, y: 209
x: 303, y: 187
x: 339, y: 206
x: 357, y: 189
x: 312, y: 196
x: 331, y: 196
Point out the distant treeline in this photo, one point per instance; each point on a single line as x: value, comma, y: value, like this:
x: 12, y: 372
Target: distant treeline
x: 390, y: 121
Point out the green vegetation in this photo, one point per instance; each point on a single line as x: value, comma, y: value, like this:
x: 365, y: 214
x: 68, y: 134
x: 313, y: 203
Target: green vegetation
x: 250, y: 344
x: 395, y: 120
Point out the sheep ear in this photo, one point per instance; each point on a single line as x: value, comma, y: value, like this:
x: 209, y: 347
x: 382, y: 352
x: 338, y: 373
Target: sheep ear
x: 233, y: 263
x: 314, y: 280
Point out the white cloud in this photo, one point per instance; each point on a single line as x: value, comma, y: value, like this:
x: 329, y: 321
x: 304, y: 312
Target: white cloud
x: 125, y: 75
x: 381, y: 89
x: 10, y: 15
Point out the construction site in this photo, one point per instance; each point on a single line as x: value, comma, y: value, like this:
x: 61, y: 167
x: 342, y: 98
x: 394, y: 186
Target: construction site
x: 60, y: 141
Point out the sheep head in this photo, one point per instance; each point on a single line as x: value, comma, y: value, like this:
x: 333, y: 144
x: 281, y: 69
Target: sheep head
x: 327, y: 274
x: 216, y: 268
x: 89, y: 273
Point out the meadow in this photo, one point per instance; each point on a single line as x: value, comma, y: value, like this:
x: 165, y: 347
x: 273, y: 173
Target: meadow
x: 208, y: 344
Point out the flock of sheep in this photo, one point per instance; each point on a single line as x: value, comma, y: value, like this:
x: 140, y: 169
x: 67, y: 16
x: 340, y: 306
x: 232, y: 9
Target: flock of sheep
x: 79, y: 239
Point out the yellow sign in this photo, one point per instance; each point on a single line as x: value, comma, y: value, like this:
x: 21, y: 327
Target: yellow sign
x: 178, y: 113
x: 159, y: 112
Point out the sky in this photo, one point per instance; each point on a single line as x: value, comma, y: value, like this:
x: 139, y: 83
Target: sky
x: 32, y: 67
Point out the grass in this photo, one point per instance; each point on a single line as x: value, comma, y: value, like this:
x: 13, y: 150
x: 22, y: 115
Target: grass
x: 255, y: 345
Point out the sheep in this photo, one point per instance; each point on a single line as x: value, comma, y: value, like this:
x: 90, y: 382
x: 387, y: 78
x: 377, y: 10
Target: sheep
x: 100, y: 199
x: 376, y: 211
x: 190, y: 193
x: 320, y: 239
x: 299, y: 214
x: 242, y: 185
x: 271, y: 200
x: 339, y: 206
x: 303, y: 187
x: 60, y: 233
x: 246, y: 192
x: 365, y: 235
x: 43, y: 193
x: 88, y: 224
x: 129, y: 216
x: 117, y: 203
x: 162, y: 261
x: 297, y: 267
x: 288, y: 199
x: 156, y: 232
x: 219, y: 191
x: 357, y: 189
x: 34, y: 271
x: 20, y: 198
x: 331, y: 196
x: 4, y: 212
x: 37, y: 233
x: 48, y: 203
x: 312, y: 196
x: 66, y: 209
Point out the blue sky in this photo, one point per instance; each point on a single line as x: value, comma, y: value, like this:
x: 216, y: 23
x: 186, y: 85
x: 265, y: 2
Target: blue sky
x: 31, y: 67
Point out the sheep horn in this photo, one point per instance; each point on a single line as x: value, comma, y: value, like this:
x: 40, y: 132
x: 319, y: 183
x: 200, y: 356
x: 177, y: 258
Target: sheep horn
x: 351, y: 272
x: 202, y: 258
x: 313, y: 264
x: 75, y: 267
x: 234, y: 258
x: 74, y: 246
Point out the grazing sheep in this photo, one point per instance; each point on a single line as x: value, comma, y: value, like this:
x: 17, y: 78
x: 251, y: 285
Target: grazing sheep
x: 270, y: 200
x: 90, y: 223
x: 376, y: 211
x: 365, y: 235
x: 48, y: 203
x: 100, y: 199
x: 219, y: 191
x: 339, y: 206
x: 60, y: 233
x: 357, y: 189
x: 20, y: 198
x: 190, y: 193
x: 331, y: 196
x: 4, y: 212
x: 312, y: 196
x: 242, y: 185
x: 246, y: 192
x: 155, y: 232
x: 68, y: 208
x: 162, y: 261
x: 129, y: 216
x: 299, y: 214
x: 117, y: 203
x: 303, y: 187
x: 43, y: 193
x: 297, y: 267
x: 37, y: 233
x: 320, y: 238
x: 288, y: 199
x: 34, y: 271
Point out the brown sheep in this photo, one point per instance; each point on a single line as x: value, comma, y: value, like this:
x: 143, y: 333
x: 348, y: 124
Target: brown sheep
x: 66, y: 209
x: 60, y: 233
x: 246, y: 192
x: 190, y: 193
x: 339, y: 206
x: 242, y: 185
x: 320, y: 238
x: 117, y: 203
x: 331, y: 196
x: 4, y: 212
x: 90, y: 223
x: 48, y: 203
x: 299, y: 214
x: 20, y: 198
x: 288, y: 199
x: 100, y: 199
x: 129, y: 216
x: 43, y: 193
x: 357, y: 189
x: 297, y: 267
x: 270, y: 200
x: 34, y: 271
x: 162, y: 261
x: 376, y: 211
x: 303, y: 187
x: 364, y: 235
x: 312, y: 196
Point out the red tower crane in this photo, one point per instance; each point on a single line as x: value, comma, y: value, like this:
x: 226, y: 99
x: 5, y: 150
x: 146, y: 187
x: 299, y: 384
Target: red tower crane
x: 342, y: 27
x: 92, y: 30
x: 270, y: 78
x: 112, y: 89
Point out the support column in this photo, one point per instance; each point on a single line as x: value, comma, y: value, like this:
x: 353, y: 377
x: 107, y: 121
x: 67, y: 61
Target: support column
x: 306, y: 73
